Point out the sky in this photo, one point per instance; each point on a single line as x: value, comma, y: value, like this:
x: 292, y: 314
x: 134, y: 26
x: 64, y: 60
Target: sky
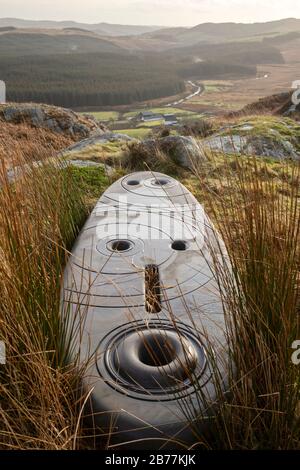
x: 152, y: 12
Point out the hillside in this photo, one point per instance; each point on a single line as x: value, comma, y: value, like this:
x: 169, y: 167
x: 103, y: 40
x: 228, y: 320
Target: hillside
x: 279, y: 104
x: 88, y: 79
x: 239, y: 52
x: 100, y: 28
x: 158, y: 38
x: 212, y: 33
x: 20, y: 42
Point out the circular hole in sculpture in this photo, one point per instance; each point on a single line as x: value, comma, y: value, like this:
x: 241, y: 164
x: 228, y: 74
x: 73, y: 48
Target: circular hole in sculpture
x: 156, y: 350
x: 179, y: 245
x: 161, y: 182
x: 120, y: 245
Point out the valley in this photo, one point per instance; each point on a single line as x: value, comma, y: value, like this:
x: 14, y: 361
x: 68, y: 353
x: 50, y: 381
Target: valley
x: 106, y: 70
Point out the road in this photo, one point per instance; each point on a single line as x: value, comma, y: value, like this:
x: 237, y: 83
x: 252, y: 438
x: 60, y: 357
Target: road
x: 199, y: 91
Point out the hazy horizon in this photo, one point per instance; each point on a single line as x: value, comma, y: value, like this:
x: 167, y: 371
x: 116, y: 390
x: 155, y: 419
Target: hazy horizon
x: 152, y: 12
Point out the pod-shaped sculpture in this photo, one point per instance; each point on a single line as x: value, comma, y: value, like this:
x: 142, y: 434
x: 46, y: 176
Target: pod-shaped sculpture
x: 140, y: 285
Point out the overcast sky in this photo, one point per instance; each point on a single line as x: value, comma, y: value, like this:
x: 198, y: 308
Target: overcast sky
x: 153, y: 12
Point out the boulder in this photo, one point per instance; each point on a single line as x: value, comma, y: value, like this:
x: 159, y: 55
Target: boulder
x: 100, y: 139
x: 89, y: 164
x: 59, y: 120
x: 183, y: 150
x: 257, y: 145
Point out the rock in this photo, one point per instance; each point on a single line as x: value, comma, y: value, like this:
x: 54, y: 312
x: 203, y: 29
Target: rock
x: 225, y: 144
x: 88, y: 164
x: 246, y: 127
x: 183, y: 150
x: 273, y: 145
x: 16, y: 172
x: 59, y: 120
x: 101, y: 139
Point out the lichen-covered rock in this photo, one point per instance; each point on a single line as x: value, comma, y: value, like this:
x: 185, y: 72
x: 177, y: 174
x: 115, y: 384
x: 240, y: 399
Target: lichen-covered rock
x: 104, y: 138
x: 185, y: 151
x: 59, y: 120
x: 89, y: 164
x: 265, y: 136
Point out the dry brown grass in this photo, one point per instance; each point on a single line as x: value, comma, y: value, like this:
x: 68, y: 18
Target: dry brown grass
x: 259, y: 221
x: 39, y: 218
x: 33, y: 143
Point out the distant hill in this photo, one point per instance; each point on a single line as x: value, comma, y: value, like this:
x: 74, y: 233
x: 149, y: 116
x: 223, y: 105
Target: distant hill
x: 245, y: 53
x: 21, y: 42
x: 213, y: 33
x: 136, y: 37
x: 104, y: 29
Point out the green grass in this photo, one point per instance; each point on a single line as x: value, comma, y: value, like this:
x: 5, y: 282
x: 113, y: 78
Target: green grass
x: 213, y: 88
x: 139, y: 133
x: 105, y: 115
x: 163, y: 110
x: 194, y: 117
x: 90, y: 181
x: 152, y: 123
x: 170, y: 110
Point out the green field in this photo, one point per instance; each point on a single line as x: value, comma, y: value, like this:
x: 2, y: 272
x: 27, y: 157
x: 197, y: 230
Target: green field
x: 165, y: 110
x: 105, y: 115
x: 212, y: 88
x: 152, y: 123
x: 170, y: 110
x: 139, y: 133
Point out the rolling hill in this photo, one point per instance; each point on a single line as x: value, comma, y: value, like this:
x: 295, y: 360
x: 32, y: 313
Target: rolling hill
x: 104, y: 29
x: 20, y: 42
x: 77, y: 65
x: 208, y: 34
x: 214, y: 32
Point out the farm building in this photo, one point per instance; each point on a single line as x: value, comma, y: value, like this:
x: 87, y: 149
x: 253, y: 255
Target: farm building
x: 147, y: 116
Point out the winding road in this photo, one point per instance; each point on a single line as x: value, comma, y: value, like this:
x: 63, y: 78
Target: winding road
x: 199, y: 91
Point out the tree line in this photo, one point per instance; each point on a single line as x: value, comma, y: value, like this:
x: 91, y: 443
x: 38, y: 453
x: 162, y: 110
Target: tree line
x: 88, y: 79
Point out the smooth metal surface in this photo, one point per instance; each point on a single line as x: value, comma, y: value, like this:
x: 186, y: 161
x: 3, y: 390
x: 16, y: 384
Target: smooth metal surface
x: 147, y: 363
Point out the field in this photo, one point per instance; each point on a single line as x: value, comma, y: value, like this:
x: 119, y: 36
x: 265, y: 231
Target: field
x: 222, y: 95
x: 123, y: 122
x: 234, y: 94
x: 138, y: 133
x: 105, y: 115
x: 162, y: 110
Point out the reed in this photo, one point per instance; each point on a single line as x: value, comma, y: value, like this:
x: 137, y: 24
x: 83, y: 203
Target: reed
x: 40, y: 215
x: 257, y: 216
